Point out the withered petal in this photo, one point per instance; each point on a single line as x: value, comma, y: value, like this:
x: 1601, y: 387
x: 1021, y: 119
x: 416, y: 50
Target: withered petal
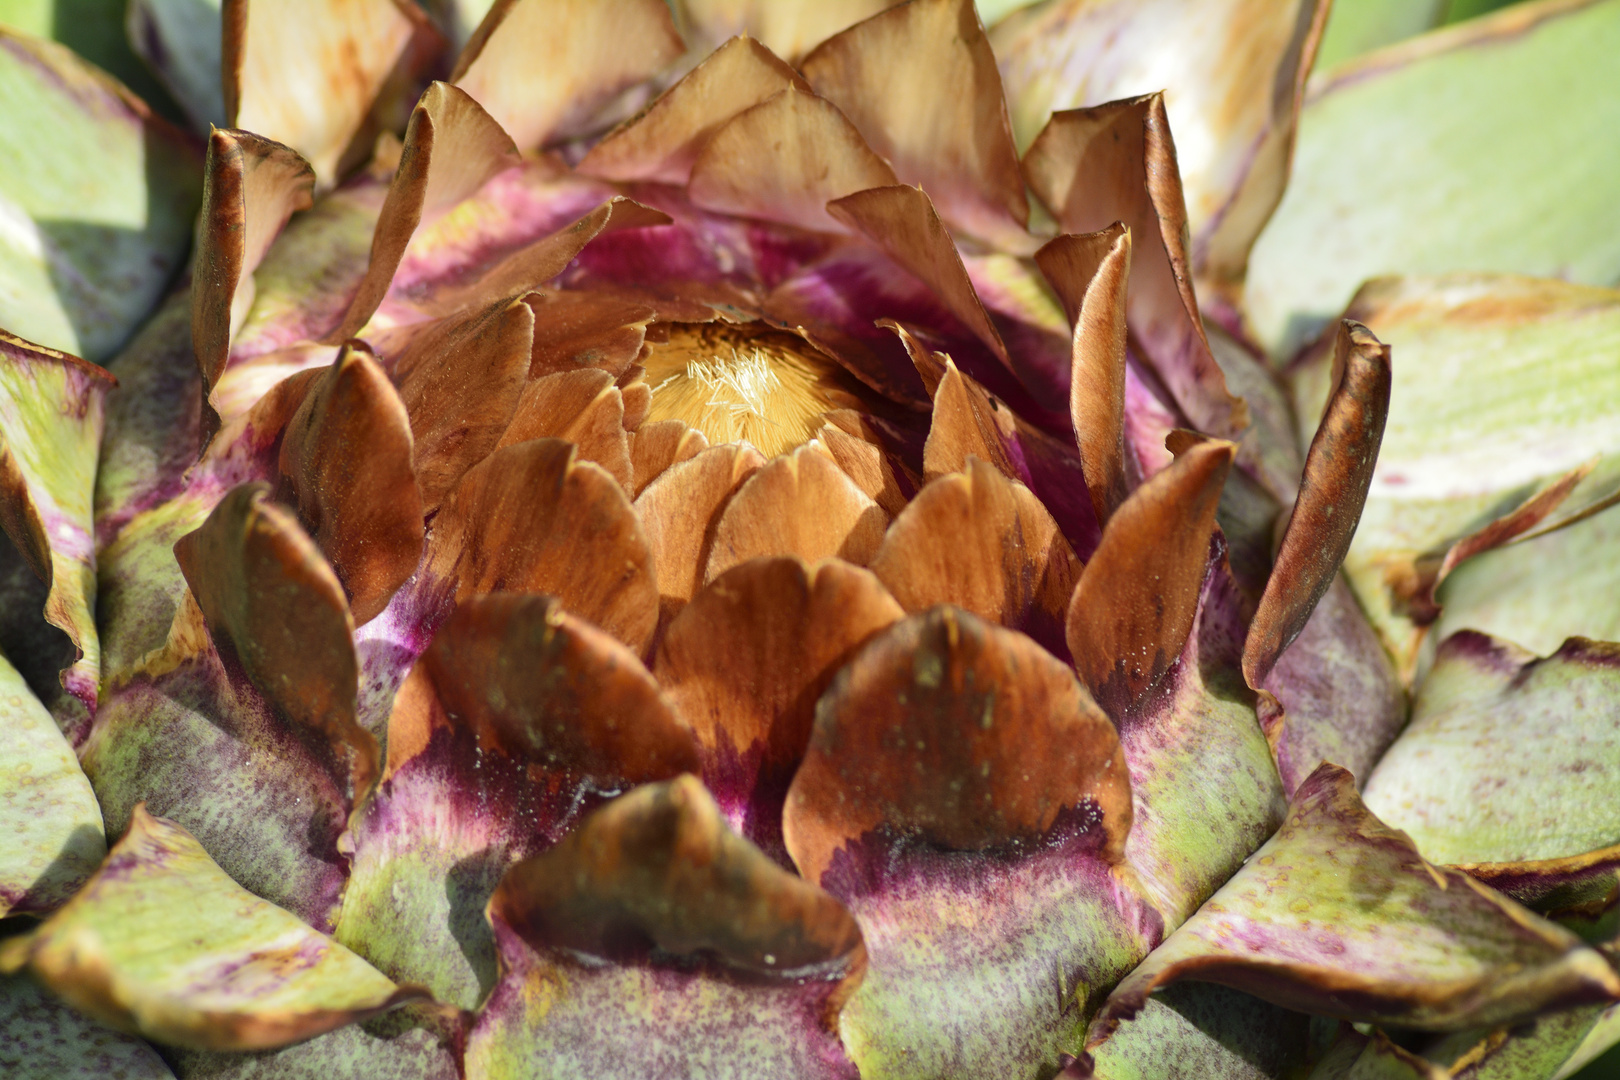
x: 983, y: 543
x: 659, y: 445
x: 962, y: 733
x: 1332, y: 491
x: 346, y: 457
x: 554, y: 689
x: 267, y: 593
x: 575, y: 329
x: 658, y: 867
x: 745, y: 661
x: 1134, y: 605
x: 530, y: 518
x: 451, y: 148
x: 1090, y: 274
x: 540, y: 66
x: 679, y: 511
x: 860, y: 451
x: 789, y: 28
x: 276, y: 51
x: 460, y: 380
x: 798, y: 504
x: 582, y: 407
x: 662, y: 143
x: 1117, y: 162
x: 920, y: 82
x: 784, y: 160
x: 967, y: 422
x: 251, y: 186
x: 901, y: 221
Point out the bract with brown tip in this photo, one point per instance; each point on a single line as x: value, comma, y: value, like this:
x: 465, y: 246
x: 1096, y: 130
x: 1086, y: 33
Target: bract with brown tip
x: 720, y: 939
x: 984, y: 543
x: 1117, y: 162
x: 744, y: 663
x: 1134, y: 605
x: 268, y: 594
x: 659, y: 444
x: 1090, y: 274
x: 920, y: 82
x: 346, y: 458
x: 1332, y: 491
x: 662, y: 143
x: 582, y: 407
x: 532, y: 518
x: 959, y: 776
x: 540, y: 66
x: 798, y: 504
x: 784, y: 160
x: 679, y: 511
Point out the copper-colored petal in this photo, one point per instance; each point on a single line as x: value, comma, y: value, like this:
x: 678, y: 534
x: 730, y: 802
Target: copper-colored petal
x: 789, y: 28
x: 901, y: 220
x: 1090, y: 274
x: 658, y: 867
x: 539, y: 66
x: 535, y: 264
x: 530, y: 518
x: 265, y: 590
x: 659, y: 445
x: 966, y: 734
x: 581, y: 407
x: 346, y: 456
x: 306, y: 72
x: 860, y: 452
x: 662, y: 143
x: 979, y: 541
x: 251, y: 186
x: 1117, y: 162
x: 460, y: 380
x: 1136, y: 599
x: 746, y: 660
x: 680, y: 511
x: 574, y: 329
x: 920, y: 82
x: 800, y: 504
x: 1338, y: 472
x: 550, y: 687
x: 967, y: 422
x: 784, y: 160
x: 451, y: 148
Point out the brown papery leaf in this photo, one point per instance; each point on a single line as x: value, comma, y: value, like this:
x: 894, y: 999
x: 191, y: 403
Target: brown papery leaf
x: 460, y: 380
x: 964, y: 733
x: 659, y: 867
x: 586, y: 329
x: 656, y: 446
x: 265, y: 591
x: 984, y: 543
x: 662, y: 143
x: 745, y: 661
x: 901, y: 221
x: 539, y: 66
x: 1090, y: 274
x: 784, y: 160
x: 535, y: 264
x: 451, y: 148
x: 581, y: 407
x: 679, y: 511
x: 1117, y: 162
x: 1332, y: 492
x: 1134, y: 605
x: 849, y: 439
x: 920, y: 82
x: 251, y: 186
x: 346, y: 457
x: 967, y: 423
x: 530, y: 518
x: 789, y: 28
x: 799, y: 504
x: 306, y: 72
x: 554, y: 689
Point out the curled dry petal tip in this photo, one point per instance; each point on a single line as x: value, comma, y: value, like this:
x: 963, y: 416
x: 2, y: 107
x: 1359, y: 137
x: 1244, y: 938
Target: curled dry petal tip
x: 1338, y: 472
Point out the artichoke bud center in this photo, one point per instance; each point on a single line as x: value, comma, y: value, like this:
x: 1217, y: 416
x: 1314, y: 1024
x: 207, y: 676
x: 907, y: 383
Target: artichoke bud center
x: 740, y: 383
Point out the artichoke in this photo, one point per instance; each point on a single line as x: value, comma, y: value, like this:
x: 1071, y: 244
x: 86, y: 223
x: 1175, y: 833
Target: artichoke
x: 625, y: 544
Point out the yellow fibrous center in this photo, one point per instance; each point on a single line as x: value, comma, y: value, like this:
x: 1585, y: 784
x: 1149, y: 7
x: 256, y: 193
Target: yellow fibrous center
x: 739, y: 384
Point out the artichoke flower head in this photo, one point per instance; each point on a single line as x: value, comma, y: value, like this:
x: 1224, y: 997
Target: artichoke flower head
x: 651, y: 554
